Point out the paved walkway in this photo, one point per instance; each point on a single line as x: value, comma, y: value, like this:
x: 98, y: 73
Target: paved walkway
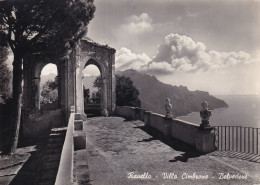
x: 125, y: 152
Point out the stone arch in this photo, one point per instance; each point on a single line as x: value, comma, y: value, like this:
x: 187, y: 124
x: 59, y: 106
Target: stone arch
x: 91, y: 60
x: 32, y: 79
x: 102, y: 57
x: 69, y: 70
x: 104, y: 89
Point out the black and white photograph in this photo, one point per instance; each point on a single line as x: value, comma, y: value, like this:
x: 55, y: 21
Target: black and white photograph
x: 129, y: 92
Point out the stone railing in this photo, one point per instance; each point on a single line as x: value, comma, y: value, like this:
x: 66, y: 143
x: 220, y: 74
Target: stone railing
x: 201, y: 139
x: 75, y: 139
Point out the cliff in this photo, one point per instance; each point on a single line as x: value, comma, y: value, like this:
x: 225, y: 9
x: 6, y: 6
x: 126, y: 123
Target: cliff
x: 153, y: 94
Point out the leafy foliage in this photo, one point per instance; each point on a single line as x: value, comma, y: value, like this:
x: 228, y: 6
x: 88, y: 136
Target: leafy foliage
x: 49, y: 92
x: 44, y: 26
x: 86, y: 93
x: 47, y: 27
x: 96, y: 97
x: 97, y: 82
x: 5, y: 74
x: 126, y: 93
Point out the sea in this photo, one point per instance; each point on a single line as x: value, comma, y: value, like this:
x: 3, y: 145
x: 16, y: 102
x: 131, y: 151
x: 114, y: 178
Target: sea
x: 243, y: 110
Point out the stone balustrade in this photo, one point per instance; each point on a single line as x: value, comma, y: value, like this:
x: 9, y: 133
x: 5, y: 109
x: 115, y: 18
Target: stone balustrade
x: 201, y: 139
x: 75, y: 140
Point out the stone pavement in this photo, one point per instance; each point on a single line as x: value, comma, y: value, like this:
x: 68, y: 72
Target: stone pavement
x: 125, y: 152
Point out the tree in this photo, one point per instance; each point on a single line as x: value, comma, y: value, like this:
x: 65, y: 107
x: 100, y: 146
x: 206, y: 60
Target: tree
x: 42, y: 27
x: 126, y: 93
x: 49, y: 92
x: 5, y: 74
x: 97, y: 82
x: 86, y: 93
x: 96, y: 95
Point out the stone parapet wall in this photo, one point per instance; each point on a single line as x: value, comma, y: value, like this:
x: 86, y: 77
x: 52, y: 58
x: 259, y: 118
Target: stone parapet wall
x: 127, y: 112
x: 190, y: 133
x: 75, y: 139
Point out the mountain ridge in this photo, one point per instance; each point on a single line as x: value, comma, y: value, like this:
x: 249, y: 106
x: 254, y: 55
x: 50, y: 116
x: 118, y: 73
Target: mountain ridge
x: 183, y: 100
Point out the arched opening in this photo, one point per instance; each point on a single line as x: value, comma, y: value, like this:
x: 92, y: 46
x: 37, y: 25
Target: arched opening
x: 92, y: 89
x: 49, y: 87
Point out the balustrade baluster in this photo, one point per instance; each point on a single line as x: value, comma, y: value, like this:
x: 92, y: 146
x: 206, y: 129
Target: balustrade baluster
x: 248, y: 130
x: 236, y: 138
x: 253, y: 137
x: 257, y: 140
x: 225, y: 138
x: 240, y: 139
x: 233, y: 139
x: 244, y: 139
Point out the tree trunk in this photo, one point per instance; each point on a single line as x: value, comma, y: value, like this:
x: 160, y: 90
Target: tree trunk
x: 15, y: 118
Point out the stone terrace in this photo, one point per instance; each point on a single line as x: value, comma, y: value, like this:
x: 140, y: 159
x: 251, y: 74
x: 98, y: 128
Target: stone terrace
x: 117, y: 147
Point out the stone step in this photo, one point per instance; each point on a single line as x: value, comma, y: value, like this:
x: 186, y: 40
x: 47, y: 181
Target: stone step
x: 46, y: 183
x: 54, y: 151
x: 53, y: 157
x: 56, y: 135
x: 48, y: 175
x: 59, y: 130
x: 51, y: 168
x: 55, y: 145
x: 56, y: 140
x: 51, y: 164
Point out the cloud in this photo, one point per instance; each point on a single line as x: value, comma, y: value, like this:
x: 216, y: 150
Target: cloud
x: 126, y: 59
x: 182, y: 53
x: 137, y: 24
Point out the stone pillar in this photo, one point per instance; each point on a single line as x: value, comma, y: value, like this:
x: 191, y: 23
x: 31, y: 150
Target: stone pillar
x: 205, y: 142
x: 36, y: 93
x: 167, y: 127
x: 104, y: 111
x: 147, y: 115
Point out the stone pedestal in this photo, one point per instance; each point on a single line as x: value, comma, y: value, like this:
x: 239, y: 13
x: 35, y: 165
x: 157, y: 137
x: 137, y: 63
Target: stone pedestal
x: 167, y: 125
x: 78, y: 125
x: 205, y: 142
x: 79, y: 139
x: 137, y: 113
x: 147, y: 118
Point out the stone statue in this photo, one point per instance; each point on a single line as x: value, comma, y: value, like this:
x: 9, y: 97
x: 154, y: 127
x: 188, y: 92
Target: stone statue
x: 168, y: 108
x: 205, y: 113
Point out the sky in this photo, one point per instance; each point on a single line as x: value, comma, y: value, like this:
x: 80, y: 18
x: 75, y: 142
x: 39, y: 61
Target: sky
x: 210, y: 45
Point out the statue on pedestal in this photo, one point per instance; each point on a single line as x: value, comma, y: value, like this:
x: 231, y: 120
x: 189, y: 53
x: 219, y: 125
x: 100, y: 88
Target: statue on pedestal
x: 205, y: 114
x: 168, y: 108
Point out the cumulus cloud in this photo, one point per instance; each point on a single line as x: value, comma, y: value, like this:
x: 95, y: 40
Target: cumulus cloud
x: 182, y: 53
x: 137, y: 24
x: 126, y: 59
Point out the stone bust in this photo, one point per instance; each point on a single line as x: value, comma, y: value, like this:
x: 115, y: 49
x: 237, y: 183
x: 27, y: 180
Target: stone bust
x: 168, y: 108
x: 205, y: 114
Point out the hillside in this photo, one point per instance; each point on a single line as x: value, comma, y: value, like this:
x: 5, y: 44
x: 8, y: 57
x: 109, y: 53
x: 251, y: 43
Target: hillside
x: 87, y: 81
x: 45, y: 78
x: 153, y: 94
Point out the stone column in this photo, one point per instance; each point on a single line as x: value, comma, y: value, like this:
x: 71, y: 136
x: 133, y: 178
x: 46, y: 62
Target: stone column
x: 147, y: 115
x: 104, y: 111
x: 36, y: 93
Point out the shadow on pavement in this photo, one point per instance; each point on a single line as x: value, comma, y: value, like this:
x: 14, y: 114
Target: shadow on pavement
x: 189, y: 152
x: 31, y: 170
